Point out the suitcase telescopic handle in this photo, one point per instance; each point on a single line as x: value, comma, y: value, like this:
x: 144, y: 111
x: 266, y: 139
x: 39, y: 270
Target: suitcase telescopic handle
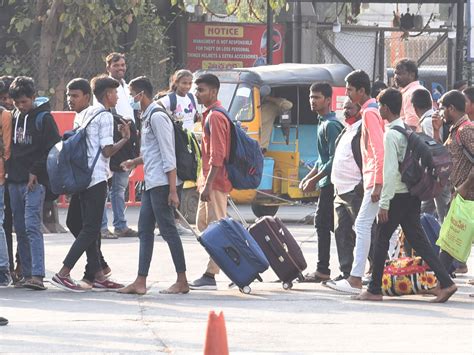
x: 234, y: 207
x: 281, y: 259
x: 181, y: 217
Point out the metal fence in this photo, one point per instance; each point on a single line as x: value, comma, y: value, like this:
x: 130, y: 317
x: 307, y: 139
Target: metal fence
x: 377, y: 50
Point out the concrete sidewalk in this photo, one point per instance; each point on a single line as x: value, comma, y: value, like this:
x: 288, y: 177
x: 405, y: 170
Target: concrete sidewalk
x: 308, y: 319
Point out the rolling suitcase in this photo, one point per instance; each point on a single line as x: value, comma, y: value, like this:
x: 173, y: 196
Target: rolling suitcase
x: 279, y: 246
x: 431, y: 227
x: 234, y: 250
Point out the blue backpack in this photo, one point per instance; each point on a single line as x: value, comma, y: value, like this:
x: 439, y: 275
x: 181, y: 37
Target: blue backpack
x: 67, y: 163
x: 245, y: 163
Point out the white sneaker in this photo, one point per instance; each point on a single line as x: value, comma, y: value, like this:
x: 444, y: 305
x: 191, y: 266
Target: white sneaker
x: 183, y: 230
x: 343, y: 286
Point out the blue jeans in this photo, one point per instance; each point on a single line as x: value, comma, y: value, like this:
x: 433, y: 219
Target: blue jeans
x: 117, y: 198
x: 27, y: 208
x: 155, y: 210
x: 4, y: 262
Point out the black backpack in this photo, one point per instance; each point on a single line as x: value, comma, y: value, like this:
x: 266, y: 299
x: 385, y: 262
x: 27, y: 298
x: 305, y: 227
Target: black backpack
x: 426, y: 166
x: 186, y: 149
x: 130, y: 150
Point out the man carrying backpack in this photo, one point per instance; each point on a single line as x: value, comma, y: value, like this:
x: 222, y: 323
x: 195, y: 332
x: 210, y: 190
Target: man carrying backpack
x: 423, y: 105
x: 100, y: 147
x: 329, y: 128
x: 347, y: 180
x: 397, y: 206
x: 79, y: 94
x: 34, y: 134
x: 214, y: 185
x: 160, y: 197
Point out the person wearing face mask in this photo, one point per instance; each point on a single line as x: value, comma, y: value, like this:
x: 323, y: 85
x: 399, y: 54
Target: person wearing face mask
x: 34, y: 134
x: 116, y: 68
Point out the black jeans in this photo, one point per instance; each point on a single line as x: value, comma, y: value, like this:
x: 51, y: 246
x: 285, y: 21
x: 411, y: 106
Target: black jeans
x: 92, y: 202
x: 405, y: 211
x: 346, y: 208
x: 8, y: 227
x: 324, y: 223
x: 74, y: 223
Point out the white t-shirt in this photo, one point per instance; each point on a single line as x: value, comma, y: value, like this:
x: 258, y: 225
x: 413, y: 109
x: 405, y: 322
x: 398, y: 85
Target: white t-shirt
x: 100, y: 133
x: 345, y: 174
x: 185, y: 110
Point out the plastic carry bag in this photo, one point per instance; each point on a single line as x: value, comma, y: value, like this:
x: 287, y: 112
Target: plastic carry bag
x: 457, y: 231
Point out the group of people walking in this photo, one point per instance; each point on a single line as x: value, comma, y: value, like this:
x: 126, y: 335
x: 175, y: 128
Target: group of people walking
x: 356, y: 172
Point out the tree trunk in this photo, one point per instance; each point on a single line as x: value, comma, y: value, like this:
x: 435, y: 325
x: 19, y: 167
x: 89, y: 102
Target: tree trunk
x: 49, y: 31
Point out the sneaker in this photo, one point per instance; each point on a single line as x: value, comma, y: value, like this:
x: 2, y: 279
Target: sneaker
x: 66, y: 283
x: 182, y: 230
x: 106, y: 234
x: 5, y: 279
x: 336, y: 279
x: 203, y: 283
x: 125, y: 233
x: 106, y: 285
x: 3, y: 321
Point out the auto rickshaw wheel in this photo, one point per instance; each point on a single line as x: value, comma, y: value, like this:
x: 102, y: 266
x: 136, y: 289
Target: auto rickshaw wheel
x: 261, y: 210
x: 189, y: 204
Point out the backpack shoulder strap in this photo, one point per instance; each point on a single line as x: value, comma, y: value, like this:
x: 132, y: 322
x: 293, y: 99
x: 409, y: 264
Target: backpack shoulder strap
x: 94, y: 116
x: 402, y: 130
x: 39, y: 120
x: 162, y: 110
x: 458, y: 140
x: 191, y: 97
x: 173, y: 101
x: 221, y: 110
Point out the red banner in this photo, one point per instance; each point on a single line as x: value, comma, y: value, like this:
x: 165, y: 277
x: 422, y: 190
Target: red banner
x: 225, y: 46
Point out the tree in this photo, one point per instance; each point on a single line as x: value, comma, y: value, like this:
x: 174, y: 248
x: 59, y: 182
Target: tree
x: 70, y: 33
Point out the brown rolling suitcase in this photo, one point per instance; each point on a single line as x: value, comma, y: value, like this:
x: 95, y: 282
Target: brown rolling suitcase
x: 280, y: 248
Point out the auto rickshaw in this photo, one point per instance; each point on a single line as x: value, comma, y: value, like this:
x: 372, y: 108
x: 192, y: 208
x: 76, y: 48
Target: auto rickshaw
x: 291, y: 152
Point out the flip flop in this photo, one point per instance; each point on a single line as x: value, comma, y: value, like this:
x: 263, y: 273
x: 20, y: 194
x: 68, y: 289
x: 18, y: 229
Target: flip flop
x: 166, y: 292
x: 34, y: 285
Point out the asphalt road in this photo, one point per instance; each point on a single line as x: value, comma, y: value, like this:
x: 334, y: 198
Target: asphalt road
x: 308, y: 319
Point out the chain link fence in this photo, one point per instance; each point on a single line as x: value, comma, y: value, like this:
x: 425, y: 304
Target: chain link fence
x: 151, y: 65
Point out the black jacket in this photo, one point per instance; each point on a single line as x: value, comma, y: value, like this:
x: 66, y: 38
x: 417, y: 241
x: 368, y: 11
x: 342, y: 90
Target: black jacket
x: 30, y: 146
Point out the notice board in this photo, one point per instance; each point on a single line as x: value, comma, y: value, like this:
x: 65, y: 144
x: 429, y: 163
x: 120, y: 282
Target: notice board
x: 226, y: 46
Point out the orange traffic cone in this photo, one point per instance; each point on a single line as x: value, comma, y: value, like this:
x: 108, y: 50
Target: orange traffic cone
x: 216, y: 335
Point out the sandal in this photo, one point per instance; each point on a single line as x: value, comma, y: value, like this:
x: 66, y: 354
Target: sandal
x: 35, y: 285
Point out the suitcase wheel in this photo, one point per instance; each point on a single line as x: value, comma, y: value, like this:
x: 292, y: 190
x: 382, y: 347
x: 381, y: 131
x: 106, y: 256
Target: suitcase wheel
x: 245, y: 289
x: 287, y: 285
